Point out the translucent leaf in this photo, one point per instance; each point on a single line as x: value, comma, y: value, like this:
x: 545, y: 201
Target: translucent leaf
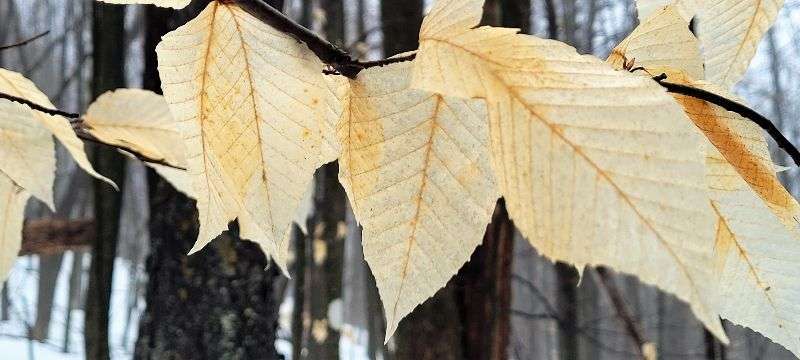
x: 416, y: 168
x: 757, y: 237
x: 730, y: 31
x: 12, y: 206
x: 597, y: 166
x: 249, y: 101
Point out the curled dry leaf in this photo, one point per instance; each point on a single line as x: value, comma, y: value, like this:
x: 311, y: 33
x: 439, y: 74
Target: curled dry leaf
x: 730, y: 31
x: 140, y: 120
x: 249, y: 101
x: 757, y: 238
x: 597, y: 166
x: 416, y: 168
x: 176, y: 4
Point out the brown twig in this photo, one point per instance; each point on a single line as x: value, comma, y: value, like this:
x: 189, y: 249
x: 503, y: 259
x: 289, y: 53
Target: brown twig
x: 24, y: 42
x: 38, y: 107
x: 331, y: 55
x: 736, y: 107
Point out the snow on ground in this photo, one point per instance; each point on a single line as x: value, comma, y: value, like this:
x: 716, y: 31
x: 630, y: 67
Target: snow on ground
x: 22, y: 286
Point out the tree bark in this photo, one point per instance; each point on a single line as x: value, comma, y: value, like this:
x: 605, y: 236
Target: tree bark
x: 108, y: 34
x: 49, y: 267
x: 218, y: 303
x: 400, y: 20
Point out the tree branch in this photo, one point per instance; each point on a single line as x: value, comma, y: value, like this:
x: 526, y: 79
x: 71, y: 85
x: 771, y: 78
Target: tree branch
x: 343, y: 64
x: 38, y: 107
x: 331, y: 55
x: 623, y: 313
x: 24, y: 42
x: 81, y: 132
x: 736, y: 107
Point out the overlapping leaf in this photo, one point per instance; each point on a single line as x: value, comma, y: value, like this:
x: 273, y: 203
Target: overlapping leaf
x: 757, y: 239
x: 141, y: 121
x: 12, y: 207
x: 596, y: 166
x: 416, y: 168
x: 730, y: 31
x: 249, y: 101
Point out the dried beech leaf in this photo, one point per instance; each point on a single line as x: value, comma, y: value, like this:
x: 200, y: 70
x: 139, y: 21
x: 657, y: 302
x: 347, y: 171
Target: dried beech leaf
x: 12, y: 206
x: 663, y: 43
x: 597, y: 166
x: 686, y: 8
x: 757, y: 237
x: 249, y: 101
x: 139, y: 120
x: 730, y: 31
x: 15, y: 84
x: 416, y: 168
x: 176, y: 4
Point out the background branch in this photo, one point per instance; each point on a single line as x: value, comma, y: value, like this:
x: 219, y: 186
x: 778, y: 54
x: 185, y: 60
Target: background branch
x: 24, y: 42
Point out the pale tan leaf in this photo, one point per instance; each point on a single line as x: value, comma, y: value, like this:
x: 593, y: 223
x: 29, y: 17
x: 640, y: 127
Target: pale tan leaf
x: 27, y: 151
x: 248, y: 101
x: 177, y: 4
x: 139, y: 120
x: 15, y: 84
x: 730, y: 31
x: 416, y: 168
x: 597, y: 166
x: 12, y: 208
x: 686, y: 8
x: 756, y: 257
x: 662, y: 43
x: 757, y: 237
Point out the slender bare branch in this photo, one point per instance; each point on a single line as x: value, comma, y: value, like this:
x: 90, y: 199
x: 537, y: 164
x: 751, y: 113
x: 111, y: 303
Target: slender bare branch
x: 24, y: 42
x: 38, y: 107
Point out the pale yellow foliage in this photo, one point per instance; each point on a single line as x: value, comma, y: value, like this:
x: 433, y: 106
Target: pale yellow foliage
x: 596, y: 166
x: 249, y: 101
x: 686, y: 8
x: 664, y: 43
x: 139, y: 120
x: 416, y: 168
x: 12, y: 210
x: 177, y: 4
x: 730, y: 31
x: 15, y: 84
x: 757, y: 239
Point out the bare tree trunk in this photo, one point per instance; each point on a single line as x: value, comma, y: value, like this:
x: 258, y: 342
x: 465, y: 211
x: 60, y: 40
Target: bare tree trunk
x: 108, y: 34
x: 49, y: 267
x: 73, y: 297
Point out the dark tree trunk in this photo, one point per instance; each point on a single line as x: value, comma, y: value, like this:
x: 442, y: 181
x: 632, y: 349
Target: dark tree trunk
x: 108, y: 34
x: 218, y: 303
x: 400, y: 20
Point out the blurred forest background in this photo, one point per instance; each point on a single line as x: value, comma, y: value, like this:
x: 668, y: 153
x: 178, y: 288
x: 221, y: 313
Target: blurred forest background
x: 229, y: 302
